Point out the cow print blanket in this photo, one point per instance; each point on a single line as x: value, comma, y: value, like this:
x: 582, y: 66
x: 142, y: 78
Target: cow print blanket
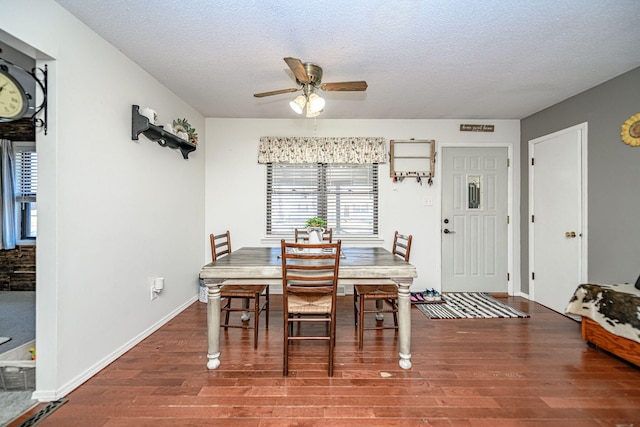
x: 614, y: 307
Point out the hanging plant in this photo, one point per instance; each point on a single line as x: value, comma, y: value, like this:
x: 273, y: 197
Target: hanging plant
x: 182, y: 125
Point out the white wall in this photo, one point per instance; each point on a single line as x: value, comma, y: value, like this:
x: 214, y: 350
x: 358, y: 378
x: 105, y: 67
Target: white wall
x: 235, y: 182
x: 113, y: 213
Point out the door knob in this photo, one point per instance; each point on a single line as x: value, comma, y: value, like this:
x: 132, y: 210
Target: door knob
x: 447, y: 231
x: 570, y: 234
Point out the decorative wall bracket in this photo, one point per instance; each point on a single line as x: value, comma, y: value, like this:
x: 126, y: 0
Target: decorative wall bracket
x: 140, y: 125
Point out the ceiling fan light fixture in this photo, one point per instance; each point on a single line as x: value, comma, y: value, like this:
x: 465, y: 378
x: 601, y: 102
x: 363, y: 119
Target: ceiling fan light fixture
x: 298, y: 104
x: 312, y: 113
x: 316, y: 103
x: 308, y: 78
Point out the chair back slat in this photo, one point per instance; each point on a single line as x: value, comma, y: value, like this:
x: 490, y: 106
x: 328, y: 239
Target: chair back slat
x: 310, y: 268
x: 220, y: 245
x: 402, y: 245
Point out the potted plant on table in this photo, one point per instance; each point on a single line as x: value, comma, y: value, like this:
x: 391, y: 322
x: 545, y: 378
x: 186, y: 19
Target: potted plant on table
x: 315, y: 228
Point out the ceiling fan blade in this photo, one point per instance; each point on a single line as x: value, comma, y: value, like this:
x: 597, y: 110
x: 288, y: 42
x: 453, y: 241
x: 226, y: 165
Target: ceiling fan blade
x: 344, y: 86
x: 298, y: 69
x: 275, y: 92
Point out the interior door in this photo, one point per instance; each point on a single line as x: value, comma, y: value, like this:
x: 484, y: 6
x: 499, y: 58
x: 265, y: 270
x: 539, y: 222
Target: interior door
x: 474, y: 219
x: 556, y: 204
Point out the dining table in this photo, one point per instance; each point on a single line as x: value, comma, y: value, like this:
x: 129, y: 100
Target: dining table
x: 358, y: 265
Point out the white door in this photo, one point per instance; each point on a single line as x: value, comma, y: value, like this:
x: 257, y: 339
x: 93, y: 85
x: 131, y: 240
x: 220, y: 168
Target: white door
x: 556, y: 222
x: 474, y: 219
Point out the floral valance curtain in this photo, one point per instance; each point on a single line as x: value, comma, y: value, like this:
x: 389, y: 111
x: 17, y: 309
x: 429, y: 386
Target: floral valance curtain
x: 354, y: 150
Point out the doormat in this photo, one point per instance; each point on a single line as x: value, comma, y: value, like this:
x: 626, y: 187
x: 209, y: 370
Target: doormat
x: 469, y: 305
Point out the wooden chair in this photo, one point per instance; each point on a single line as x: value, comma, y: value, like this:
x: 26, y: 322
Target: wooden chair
x: 239, y: 290
x: 327, y: 236
x: 309, y: 290
x: 384, y: 293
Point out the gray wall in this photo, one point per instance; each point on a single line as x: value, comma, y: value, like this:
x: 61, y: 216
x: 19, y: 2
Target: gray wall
x: 613, y: 176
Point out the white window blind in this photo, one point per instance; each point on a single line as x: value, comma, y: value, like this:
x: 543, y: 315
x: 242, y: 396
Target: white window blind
x: 26, y: 182
x: 26, y: 176
x: 345, y: 195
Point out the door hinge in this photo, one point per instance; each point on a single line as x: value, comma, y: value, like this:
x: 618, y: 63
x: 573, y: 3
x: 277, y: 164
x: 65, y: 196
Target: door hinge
x: 508, y: 277
x: 508, y: 162
x: 533, y: 276
x: 533, y: 218
x: 533, y: 162
x: 508, y: 219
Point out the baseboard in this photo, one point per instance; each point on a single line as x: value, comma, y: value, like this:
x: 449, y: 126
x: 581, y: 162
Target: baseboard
x: 50, y: 395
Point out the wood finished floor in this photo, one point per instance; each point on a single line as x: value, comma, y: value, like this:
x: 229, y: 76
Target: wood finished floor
x: 482, y: 372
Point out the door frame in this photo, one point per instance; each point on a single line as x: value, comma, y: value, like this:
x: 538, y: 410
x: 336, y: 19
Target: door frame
x: 583, y: 127
x: 512, y: 219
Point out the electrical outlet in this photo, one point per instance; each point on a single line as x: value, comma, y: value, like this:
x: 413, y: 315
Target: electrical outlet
x: 428, y: 201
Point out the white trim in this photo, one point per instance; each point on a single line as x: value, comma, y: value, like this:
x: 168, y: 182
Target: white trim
x: 510, y: 190
x: 583, y: 128
x: 49, y: 395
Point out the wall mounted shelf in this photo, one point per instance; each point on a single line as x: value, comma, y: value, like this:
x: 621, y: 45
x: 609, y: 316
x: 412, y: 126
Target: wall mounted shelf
x: 140, y: 125
x: 412, y: 158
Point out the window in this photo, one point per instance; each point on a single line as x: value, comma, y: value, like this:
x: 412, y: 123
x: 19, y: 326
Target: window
x: 346, y: 195
x: 26, y: 171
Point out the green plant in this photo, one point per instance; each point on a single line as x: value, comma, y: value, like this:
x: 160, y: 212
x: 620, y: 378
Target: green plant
x: 316, y: 221
x: 183, y: 125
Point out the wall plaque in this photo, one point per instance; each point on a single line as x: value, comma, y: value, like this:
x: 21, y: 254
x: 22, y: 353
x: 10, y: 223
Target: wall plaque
x: 476, y: 128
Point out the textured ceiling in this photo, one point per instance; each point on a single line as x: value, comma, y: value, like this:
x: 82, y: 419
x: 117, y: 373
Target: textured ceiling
x: 422, y: 59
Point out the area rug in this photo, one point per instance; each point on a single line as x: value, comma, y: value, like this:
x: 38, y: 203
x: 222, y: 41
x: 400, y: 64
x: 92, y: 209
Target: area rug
x: 14, y: 404
x: 469, y: 305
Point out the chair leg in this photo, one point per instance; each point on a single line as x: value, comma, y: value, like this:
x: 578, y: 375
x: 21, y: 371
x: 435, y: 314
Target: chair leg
x: 227, y: 313
x: 285, y: 358
x: 266, y: 321
x: 256, y: 319
x: 355, y: 307
x: 332, y: 345
x: 394, y: 306
x: 361, y: 324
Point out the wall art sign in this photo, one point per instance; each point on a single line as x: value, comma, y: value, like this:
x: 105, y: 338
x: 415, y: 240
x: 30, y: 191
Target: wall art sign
x: 476, y: 128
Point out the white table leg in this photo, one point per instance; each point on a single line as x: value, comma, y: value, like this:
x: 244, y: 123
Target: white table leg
x: 213, y: 325
x: 245, y: 314
x: 379, y: 316
x: 404, y: 325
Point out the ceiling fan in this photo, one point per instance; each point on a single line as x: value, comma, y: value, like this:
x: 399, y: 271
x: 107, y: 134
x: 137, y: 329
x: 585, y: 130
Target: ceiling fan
x: 309, y: 78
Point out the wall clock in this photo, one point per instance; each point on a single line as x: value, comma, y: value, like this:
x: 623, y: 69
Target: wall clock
x: 13, y: 99
x: 631, y: 131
